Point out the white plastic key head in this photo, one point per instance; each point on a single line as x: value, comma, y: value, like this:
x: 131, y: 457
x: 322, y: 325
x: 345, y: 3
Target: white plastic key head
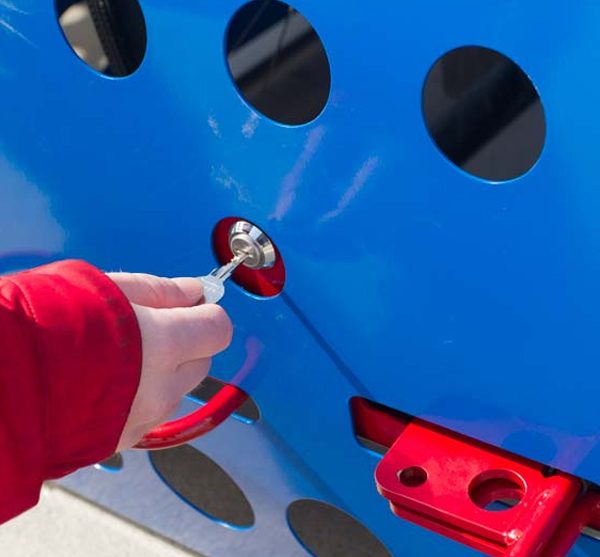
x: 214, y: 283
x: 214, y: 289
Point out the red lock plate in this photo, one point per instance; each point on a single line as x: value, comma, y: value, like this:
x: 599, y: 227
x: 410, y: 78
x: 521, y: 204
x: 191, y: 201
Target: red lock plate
x: 446, y: 482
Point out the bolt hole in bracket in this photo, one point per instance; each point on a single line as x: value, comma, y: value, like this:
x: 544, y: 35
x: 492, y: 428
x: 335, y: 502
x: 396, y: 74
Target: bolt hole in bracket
x: 477, y: 494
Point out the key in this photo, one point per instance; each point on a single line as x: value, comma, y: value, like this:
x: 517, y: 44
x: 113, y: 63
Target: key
x: 214, y: 282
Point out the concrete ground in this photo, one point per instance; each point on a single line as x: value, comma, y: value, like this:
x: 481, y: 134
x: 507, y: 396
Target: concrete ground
x: 63, y: 525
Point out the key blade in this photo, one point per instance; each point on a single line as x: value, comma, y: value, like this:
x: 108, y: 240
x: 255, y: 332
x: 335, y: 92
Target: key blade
x: 224, y: 272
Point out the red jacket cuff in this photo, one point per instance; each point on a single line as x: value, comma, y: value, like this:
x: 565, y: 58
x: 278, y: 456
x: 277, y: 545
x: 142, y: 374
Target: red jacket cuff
x: 89, y: 352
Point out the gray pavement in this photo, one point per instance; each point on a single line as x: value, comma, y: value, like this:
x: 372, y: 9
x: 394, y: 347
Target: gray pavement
x: 63, y: 525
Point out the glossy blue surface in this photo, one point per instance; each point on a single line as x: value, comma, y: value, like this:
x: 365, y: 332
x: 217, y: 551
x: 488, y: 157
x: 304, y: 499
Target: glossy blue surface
x: 475, y: 305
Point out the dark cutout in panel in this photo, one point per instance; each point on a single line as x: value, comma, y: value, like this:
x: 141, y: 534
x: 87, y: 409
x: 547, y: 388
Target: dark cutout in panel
x: 247, y: 412
x: 112, y: 464
x: 484, y: 113
x: 370, y: 431
x: 278, y: 62
x: 108, y: 35
x: 371, y: 446
x: 592, y: 533
x: 204, y: 485
x: 327, y: 531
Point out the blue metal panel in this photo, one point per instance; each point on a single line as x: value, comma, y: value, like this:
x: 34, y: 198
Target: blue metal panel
x: 410, y: 282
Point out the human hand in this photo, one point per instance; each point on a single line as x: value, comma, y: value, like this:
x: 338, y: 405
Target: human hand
x: 178, y: 340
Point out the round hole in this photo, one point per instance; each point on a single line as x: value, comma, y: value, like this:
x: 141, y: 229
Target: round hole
x: 414, y: 476
x: 266, y: 282
x: 108, y: 35
x: 484, y: 113
x: 204, y: 485
x: 497, y: 490
x: 278, y: 62
x: 326, y: 531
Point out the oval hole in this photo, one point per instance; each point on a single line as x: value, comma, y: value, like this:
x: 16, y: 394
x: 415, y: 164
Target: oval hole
x: 484, y: 113
x: 278, y: 62
x: 326, y: 531
x: 247, y: 412
x: 108, y: 35
x: 204, y: 485
x: 111, y: 464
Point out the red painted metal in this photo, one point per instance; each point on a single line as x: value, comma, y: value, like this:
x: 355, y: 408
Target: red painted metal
x: 463, y: 476
x: 377, y: 423
x: 199, y: 422
x: 586, y: 512
x: 262, y: 282
x: 446, y: 482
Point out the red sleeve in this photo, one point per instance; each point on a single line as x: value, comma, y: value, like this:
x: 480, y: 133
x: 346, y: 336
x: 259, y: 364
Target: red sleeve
x: 70, y: 360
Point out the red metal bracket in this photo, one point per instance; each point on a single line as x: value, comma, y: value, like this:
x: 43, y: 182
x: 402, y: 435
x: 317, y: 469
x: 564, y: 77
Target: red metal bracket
x: 487, y: 498
x: 586, y: 512
x: 446, y: 482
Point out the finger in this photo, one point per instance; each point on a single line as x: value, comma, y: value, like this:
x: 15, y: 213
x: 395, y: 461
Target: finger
x: 195, y: 333
x: 189, y: 375
x: 158, y: 292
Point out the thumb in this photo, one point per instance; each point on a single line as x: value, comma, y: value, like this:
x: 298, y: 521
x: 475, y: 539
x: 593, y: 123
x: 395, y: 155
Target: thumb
x: 158, y: 292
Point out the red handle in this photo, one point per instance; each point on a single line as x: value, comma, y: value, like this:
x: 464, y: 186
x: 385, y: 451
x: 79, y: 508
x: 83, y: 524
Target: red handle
x: 201, y: 421
x: 222, y: 405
